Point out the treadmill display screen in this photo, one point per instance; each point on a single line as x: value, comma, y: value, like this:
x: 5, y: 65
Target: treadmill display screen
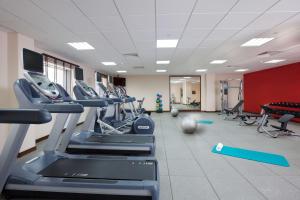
x: 78, y: 74
x: 33, y: 61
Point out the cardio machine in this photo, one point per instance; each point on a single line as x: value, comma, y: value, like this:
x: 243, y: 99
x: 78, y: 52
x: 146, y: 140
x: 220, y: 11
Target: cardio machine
x: 52, y: 174
x: 88, y: 141
x: 142, y: 124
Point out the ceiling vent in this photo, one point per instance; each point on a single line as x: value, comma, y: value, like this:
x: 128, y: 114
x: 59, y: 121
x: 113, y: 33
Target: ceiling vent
x: 268, y: 53
x: 231, y: 66
x: 131, y: 55
x: 138, y: 67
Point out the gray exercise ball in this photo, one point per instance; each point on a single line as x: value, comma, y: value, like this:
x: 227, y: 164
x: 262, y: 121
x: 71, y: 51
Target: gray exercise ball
x: 174, y: 112
x: 188, y: 125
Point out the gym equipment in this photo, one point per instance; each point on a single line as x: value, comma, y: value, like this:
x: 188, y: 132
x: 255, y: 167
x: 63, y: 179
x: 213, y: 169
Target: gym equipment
x: 233, y: 113
x: 127, y: 141
x: 8, y: 155
x: 248, y: 118
x: 56, y: 175
x: 286, y: 110
x: 174, y: 112
x: 251, y: 155
x: 188, y: 125
x: 159, y: 105
x: 226, y: 86
x: 202, y: 121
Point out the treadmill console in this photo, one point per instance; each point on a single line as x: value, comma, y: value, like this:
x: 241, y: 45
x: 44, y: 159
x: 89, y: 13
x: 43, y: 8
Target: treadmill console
x: 43, y: 84
x: 88, y: 90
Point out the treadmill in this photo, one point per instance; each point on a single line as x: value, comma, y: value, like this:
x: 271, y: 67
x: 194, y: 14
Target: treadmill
x: 86, y: 141
x: 52, y: 174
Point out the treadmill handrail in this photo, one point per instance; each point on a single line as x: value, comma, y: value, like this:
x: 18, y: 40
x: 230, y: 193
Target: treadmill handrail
x: 24, y: 116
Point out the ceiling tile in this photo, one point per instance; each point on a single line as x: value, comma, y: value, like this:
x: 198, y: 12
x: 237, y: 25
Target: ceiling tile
x: 222, y: 34
x: 97, y: 8
x: 237, y: 20
x: 143, y: 35
x: 174, y: 7
x: 172, y: 21
x: 287, y: 6
x: 109, y: 23
x: 120, y: 40
x: 204, y: 21
x: 270, y: 19
x: 245, y: 6
x: 136, y: 7
x: 214, y: 6
x: 168, y: 34
x: 140, y: 22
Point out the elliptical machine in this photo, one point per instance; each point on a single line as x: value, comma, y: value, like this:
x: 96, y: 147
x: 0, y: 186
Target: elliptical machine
x: 142, y: 124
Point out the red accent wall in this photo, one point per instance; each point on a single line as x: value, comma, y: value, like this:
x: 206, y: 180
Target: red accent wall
x: 271, y: 85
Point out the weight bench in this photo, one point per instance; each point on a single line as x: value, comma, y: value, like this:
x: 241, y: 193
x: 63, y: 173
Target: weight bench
x: 233, y: 113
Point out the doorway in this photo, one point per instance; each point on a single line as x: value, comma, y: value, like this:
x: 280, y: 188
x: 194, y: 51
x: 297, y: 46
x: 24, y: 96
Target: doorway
x: 185, y: 93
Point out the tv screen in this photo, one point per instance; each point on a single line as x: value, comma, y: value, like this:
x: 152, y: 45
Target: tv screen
x: 33, y: 61
x: 98, y: 77
x: 78, y: 74
x: 118, y: 81
x: 110, y: 79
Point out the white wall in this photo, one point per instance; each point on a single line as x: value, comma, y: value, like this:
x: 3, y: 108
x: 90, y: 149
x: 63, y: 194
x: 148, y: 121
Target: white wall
x: 148, y: 87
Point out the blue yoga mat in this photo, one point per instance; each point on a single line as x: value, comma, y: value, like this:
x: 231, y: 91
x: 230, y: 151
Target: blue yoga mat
x: 253, y: 155
x: 205, y: 122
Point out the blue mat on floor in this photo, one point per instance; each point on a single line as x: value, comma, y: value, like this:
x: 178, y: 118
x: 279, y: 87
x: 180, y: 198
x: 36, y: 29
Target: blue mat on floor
x: 253, y: 155
x: 205, y: 122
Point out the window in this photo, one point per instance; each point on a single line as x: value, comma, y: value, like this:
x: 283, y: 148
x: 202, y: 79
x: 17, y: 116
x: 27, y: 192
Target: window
x: 59, y: 71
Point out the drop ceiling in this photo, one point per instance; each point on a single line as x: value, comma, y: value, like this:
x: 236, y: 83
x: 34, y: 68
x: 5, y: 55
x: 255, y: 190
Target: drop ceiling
x: 206, y: 29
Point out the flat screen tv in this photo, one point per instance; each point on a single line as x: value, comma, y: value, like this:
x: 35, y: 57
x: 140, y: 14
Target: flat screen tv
x: 118, y: 81
x: 98, y: 77
x: 33, y: 61
x: 78, y: 74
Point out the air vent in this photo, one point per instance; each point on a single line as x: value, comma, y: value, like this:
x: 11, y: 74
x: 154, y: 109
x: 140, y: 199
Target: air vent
x: 268, y: 53
x: 231, y: 66
x: 138, y: 67
x: 131, y: 54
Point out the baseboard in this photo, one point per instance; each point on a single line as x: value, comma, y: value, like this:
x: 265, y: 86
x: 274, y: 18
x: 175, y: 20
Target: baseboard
x: 28, y: 151
x: 42, y: 139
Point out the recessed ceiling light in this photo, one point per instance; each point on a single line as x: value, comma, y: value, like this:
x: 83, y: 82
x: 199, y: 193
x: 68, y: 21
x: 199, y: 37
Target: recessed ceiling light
x: 121, y: 71
x: 166, y: 43
x: 163, y: 62
x: 81, y: 45
x: 274, y: 61
x: 187, y: 77
x: 256, y: 42
x: 241, y: 70
x: 109, y: 63
x: 218, y: 61
x: 161, y: 70
x: 201, y: 70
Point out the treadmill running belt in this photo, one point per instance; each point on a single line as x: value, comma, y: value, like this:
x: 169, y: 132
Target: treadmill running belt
x: 101, y: 169
x: 121, y: 139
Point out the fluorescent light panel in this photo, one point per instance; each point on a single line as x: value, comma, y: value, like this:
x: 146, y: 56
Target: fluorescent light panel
x: 163, y: 62
x: 241, y: 70
x: 201, y: 70
x: 81, y: 45
x: 274, y: 61
x: 121, y: 71
x: 109, y: 63
x: 218, y: 61
x: 161, y: 70
x: 166, y: 43
x: 187, y: 77
x: 256, y: 42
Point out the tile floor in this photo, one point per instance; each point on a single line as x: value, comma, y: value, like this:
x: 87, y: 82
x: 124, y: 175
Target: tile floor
x: 189, y: 171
